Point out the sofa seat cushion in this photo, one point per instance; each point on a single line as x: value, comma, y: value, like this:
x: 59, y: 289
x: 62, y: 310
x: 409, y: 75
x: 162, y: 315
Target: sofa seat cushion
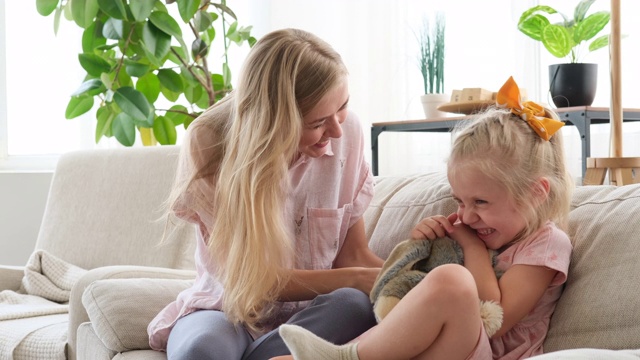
x: 600, y: 303
x: 38, y: 337
x: 121, y: 309
x: 400, y: 203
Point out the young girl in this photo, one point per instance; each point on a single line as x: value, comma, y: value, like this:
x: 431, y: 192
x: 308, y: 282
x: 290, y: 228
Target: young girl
x: 508, y: 175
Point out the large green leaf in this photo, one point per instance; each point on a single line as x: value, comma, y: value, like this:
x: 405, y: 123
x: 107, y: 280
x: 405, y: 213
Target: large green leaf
x: 224, y: 8
x: 194, y: 93
x: 124, y: 129
x: 169, y: 95
x: 202, y: 20
x: 141, y: 9
x: 114, y: 8
x: 78, y: 106
x: 556, y: 40
x: 149, y: 85
x: 92, y: 37
x: 533, y: 26
x: 178, y: 114
x: 581, y: 10
x: 599, y: 43
x: 171, y: 80
x: 84, y: 11
x: 165, y: 23
x: 93, y: 64
x: 105, y: 116
x: 199, y: 49
x: 46, y: 7
x: 90, y: 87
x: 156, y: 42
x: 113, y: 29
x: 136, y: 69
x: 591, y: 26
x: 187, y: 9
x: 164, y: 131
x: 133, y: 103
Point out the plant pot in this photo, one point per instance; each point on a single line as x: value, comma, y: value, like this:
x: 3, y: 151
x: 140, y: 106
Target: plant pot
x: 573, y: 84
x: 430, y: 103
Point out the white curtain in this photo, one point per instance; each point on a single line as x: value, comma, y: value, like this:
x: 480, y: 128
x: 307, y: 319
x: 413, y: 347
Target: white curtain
x: 483, y: 48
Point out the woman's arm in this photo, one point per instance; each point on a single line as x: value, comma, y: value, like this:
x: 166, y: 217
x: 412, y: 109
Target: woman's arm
x: 307, y: 284
x: 355, y: 266
x: 355, y: 250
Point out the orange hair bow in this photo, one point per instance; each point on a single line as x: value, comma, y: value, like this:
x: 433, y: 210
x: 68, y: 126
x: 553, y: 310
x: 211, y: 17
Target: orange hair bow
x: 509, y: 97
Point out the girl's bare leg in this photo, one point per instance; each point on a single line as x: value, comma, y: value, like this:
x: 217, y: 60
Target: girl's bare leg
x: 438, y: 319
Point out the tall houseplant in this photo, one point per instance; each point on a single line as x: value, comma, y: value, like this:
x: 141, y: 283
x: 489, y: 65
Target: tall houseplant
x: 135, y: 51
x: 573, y: 83
x: 431, y: 41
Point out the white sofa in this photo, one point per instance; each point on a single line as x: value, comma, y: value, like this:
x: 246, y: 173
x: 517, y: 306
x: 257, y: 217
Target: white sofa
x: 597, y: 316
x: 101, y: 217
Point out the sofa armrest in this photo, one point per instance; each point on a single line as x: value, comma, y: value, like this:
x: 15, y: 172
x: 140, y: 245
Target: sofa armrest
x: 78, y: 313
x: 121, y: 309
x: 11, y: 277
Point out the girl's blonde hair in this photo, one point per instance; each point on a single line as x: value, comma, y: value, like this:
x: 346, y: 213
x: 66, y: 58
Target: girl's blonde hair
x: 253, y: 136
x: 507, y: 150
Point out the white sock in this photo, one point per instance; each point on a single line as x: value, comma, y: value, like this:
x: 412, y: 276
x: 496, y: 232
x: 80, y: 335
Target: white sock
x: 305, y: 345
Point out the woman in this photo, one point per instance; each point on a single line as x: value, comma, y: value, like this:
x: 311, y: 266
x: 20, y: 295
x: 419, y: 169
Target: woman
x: 275, y: 178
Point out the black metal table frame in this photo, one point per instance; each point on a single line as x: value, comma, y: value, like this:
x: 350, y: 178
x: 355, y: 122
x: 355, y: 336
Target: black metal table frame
x: 581, y: 117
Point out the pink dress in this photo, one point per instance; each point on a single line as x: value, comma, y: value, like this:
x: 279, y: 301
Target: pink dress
x: 549, y: 247
x: 327, y: 196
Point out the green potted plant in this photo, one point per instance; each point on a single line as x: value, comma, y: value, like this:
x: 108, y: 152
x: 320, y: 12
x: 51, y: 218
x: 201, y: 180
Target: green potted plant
x: 431, y: 63
x: 138, y: 58
x: 573, y: 83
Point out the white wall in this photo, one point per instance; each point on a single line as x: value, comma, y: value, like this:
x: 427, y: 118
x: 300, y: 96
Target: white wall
x: 22, y: 201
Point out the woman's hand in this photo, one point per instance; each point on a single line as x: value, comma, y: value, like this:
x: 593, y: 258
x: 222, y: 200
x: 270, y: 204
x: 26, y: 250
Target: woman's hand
x: 365, y: 278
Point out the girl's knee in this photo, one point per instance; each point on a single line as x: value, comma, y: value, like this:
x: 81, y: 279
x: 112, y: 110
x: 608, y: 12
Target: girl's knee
x: 450, y: 280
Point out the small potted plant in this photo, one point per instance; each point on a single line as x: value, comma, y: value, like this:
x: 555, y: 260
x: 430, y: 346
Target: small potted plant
x: 572, y: 83
x: 431, y: 63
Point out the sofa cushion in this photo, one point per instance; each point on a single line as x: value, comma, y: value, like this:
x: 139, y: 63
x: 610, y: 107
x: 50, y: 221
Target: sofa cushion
x: 599, y: 305
x: 400, y: 203
x: 121, y: 309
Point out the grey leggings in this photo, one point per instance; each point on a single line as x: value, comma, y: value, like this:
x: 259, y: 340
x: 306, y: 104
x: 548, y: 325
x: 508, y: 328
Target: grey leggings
x: 206, y: 334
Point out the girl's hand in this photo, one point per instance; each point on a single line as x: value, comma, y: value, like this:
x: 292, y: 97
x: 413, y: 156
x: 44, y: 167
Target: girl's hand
x: 462, y: 234
x: 431, y: 228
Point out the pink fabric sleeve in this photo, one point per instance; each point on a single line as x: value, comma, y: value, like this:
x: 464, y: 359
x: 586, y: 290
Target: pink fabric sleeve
x: 551, y: 248
x: 364, y: 177
x: 193, y: 204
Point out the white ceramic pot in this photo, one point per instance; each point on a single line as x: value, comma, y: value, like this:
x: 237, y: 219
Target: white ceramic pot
x: 430, y: 103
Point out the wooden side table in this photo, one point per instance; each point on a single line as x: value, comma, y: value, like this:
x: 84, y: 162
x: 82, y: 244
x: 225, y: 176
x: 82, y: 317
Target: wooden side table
x: 579, y: 116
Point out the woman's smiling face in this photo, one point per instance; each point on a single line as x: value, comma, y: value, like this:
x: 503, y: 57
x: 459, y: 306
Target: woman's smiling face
x: 324, y: 121
x: 486, y: 206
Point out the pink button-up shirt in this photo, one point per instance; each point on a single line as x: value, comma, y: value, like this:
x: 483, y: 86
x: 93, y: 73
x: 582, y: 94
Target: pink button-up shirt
x: 327, y: 196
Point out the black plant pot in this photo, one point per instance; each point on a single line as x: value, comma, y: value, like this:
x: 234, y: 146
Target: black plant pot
x: 573, y: 84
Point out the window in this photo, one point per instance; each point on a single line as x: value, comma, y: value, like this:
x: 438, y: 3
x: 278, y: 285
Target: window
x: 376, y: 41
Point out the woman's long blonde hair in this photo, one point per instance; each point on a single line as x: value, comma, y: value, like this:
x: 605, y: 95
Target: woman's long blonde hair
x: 259, y: 126
x: 507, y: 150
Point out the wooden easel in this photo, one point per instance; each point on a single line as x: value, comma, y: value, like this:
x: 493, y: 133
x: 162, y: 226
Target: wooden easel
x: 622, y: 170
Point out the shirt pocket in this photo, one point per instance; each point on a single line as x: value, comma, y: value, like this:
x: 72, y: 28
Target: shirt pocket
x: 327, y: 230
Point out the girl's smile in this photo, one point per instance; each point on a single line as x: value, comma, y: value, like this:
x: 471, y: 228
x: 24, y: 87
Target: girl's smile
x: 485, y: 206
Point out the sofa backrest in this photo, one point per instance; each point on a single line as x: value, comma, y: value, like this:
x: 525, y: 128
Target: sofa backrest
x: 105, y: 206
x: 399, y: 203
x: 599, y: 307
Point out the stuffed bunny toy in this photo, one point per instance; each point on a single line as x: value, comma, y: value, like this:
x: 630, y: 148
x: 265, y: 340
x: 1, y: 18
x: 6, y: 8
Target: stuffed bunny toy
x: 409, y: 262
